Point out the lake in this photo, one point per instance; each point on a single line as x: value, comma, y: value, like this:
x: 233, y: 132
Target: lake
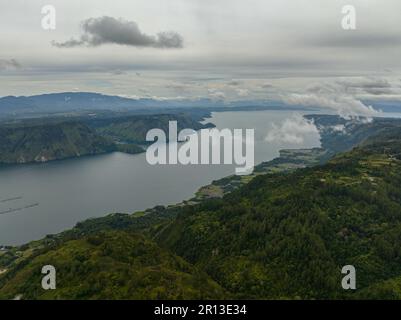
x: 41, y: 199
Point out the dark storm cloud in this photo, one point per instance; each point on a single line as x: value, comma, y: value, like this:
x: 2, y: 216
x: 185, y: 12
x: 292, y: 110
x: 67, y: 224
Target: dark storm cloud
x: 9, y: 64
x: 109, y: 30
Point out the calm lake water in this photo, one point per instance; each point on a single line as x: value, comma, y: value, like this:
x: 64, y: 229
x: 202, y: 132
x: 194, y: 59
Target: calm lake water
x: 51, y: 197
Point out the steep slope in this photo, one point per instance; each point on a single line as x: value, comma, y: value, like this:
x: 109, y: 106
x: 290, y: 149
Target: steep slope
x: 112, y: 265
x: 280, y: 236
x: 40, y: 140
x: 38, y: 143
x: 339, y: 134
x: 133, y: 129
x: 288, y: 235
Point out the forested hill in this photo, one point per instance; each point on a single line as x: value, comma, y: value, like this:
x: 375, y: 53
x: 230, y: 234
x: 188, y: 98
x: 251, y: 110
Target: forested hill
x: 113, y: 265
x: 288, y: 235
x: 282, y: 236
x: 40, y: 143
x: 42, y: 140
x: 339, y: 134
x: 133, y: 129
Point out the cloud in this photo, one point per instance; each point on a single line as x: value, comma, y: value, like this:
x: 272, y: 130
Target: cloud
x: 292, y: 130
x: 242, y: 92
x: 266, y: 86
x: 370, y: 85
x: 109, y: 30
x: 345, y: 106
x: 356, y: 40
x: 332, y: 96
x: 338, y: 128
x: 233, y: 83
x: 180, y: 88
x: 6, y: 64
x: 214, y: 94
x: 118, y: 72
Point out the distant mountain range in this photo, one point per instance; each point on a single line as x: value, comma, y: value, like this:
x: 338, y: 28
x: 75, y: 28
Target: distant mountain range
x: 67, y: 102
x: 78, y: 101
x: 385, y: 106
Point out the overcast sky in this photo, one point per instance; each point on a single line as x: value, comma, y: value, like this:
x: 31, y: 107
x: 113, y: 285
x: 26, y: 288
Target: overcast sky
x: 290, y: 50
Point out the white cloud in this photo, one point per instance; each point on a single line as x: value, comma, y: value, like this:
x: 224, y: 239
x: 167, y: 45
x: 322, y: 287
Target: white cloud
x: 216, y: 94
x: 345, y: 106
x: 333, y: 96
x: 242, y: 92
x: 232, y: 42
x: 338, y: 128
x: 292, y: 130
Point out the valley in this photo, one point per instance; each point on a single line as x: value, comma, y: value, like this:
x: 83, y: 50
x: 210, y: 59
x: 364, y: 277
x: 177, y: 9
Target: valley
x: 282, y: 235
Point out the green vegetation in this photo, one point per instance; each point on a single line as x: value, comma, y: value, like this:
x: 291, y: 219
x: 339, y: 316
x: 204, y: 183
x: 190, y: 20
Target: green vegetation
x: 337, y: 135
x: 288, y: 235
x: 42, y: 140
x: 281, y: 235
x: 112, y: 265
x: 289, y: 160
x: 40, y: 143
x: 133, y: 129
x: 128, y: 148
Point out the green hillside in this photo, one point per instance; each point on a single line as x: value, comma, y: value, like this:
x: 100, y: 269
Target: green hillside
x: 42, y: 140
x: 112, y: 265
x: 281, y: 236
x: 45, y: 142
x: 288, y: 235
x: 133, y: 129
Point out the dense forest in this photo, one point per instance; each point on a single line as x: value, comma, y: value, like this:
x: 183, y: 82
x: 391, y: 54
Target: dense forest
x: 114, y: 265
x: 133, y: 129
x: 42, y: 140
x: 40, y: 143
x: 280, y: 236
